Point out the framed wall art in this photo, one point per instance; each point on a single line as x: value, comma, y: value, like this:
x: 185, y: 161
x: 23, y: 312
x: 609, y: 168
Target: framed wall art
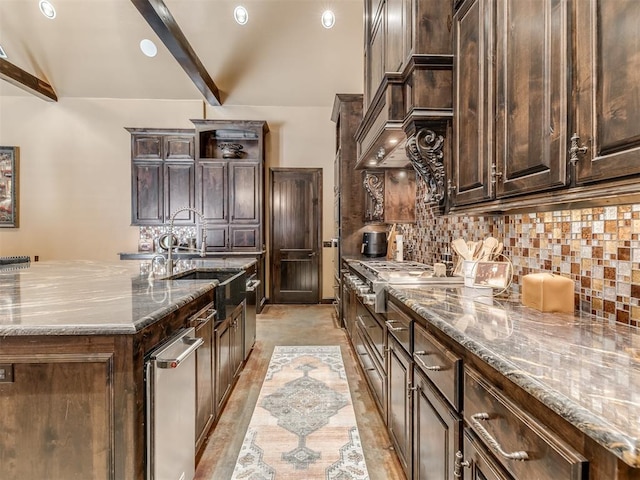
x: 9, y: 187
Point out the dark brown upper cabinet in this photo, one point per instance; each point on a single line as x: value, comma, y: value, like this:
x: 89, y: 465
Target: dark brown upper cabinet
x: 408, y: 77
x: 607, y: 90
x: 473, y: 100
x: 163, y: 175
x: 512, y: 74
x: 546, y: 104
x: 230, y: 183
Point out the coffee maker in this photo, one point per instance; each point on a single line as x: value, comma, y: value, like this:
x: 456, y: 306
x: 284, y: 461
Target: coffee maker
x: 374, y: 244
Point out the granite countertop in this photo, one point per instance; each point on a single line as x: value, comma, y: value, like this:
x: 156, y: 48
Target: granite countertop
x: 189, y: 255
x: 585, y: 370
x: 96, y: 298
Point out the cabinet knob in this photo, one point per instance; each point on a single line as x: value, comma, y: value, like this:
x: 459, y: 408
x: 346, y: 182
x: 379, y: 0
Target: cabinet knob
x: 459, y: 464
x: 576, y: 149
x: 495, y: 175
x: 451, y: 188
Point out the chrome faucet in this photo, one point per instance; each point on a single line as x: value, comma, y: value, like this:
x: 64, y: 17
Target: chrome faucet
x: 203, y: 243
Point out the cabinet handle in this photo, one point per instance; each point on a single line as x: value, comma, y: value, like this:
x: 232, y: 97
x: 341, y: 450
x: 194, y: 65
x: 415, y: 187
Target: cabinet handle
x: 451, y: 188
x: 495, y: 175
x: 394, y: 329
x: 458, y: 465
x: 575, y: 149
x: 431, y: 368
x: 488, y: 438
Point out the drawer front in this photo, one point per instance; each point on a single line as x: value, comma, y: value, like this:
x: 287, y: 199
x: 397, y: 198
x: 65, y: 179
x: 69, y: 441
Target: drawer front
x: 440, y: 365
x: 373, y: 373
x: 373, y: 330
x: 524, y: 447
x: 399, y: 325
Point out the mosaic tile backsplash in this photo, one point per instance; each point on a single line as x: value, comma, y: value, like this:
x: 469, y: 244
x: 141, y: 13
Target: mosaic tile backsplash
x: 598, y: 248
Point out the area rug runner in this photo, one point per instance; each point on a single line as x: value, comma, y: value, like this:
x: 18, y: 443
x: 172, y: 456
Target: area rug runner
x: 303, y: 426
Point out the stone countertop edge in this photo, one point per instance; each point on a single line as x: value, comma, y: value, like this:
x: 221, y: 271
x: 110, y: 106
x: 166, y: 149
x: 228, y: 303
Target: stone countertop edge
x: 194, y: 256
x: 107, y: 328
x: 622, y: 444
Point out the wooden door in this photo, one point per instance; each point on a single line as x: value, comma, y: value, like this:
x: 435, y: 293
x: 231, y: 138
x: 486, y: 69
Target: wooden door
x: 295, y: 235
x: 608, y: 89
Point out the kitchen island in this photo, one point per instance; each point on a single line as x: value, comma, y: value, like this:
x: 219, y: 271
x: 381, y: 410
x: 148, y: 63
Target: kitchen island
x: 558, y: 390
x: 73, y: 341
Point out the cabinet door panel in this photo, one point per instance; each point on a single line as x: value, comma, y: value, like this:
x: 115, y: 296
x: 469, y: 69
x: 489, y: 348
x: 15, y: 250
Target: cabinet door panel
x: 399, y: 423
x: 531, y: 95
x: 436, y: 433
x: 204, y: 382
x: 69, y: 405
x: 213, y: 191
x: 179, y: 147
x: 608, y: 88
x: 395, y: 35
x: 146, y: 147
x: 374, y: 59
x: 217, y: 238
x: 147, y: 194
x: 245, y: 189
x: 179, y: 191
x: 472, y: 140
x: 245, y: 237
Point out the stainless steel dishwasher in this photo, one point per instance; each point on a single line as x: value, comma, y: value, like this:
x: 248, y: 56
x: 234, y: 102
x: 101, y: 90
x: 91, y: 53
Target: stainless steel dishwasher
x: 171, y: 407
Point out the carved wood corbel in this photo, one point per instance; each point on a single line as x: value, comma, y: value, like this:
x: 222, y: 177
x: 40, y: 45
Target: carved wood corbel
x: 424, y: 149
x: 375, y: 188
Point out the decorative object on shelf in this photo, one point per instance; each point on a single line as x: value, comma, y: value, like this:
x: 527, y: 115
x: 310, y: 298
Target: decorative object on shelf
x: 231, y: 150
x: 375, y: 188
x: 424, y: 149
x: 9, y: 187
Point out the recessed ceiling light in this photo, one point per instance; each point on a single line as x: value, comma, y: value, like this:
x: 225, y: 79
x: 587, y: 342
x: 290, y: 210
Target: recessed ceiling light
x: 241, y: 15
x: 328, y: 19
x: 47, y: 9
x: 148, y: 48
x: 3, y: 54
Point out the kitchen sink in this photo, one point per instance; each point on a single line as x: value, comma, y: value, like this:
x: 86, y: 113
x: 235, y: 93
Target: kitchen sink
x: 229, y: 293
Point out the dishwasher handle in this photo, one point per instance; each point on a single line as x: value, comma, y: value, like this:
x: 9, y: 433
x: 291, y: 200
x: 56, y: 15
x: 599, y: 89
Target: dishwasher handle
x: 191, y: 344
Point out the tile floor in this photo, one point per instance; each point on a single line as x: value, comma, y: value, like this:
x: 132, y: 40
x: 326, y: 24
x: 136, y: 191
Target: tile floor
x: 294, y: 325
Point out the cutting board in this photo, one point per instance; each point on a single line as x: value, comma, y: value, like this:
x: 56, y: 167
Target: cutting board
x: 391, y: 243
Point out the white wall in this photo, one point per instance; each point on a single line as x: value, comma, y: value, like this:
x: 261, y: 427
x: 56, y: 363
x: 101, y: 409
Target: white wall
x: 74, y: 171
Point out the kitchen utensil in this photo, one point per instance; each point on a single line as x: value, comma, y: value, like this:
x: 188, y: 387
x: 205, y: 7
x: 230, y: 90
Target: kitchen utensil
x: 498, y: 249
x: 488, y: 246
x: 459, y: 246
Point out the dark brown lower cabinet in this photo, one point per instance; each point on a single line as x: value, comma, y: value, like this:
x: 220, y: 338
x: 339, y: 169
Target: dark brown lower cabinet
x: 204, y: 381
x: 436, y: 432
x: 223, y: 362
x: 523, y: 445
x: 399, y: 402
x: 373, y: 372
x: 229, y: 354
x: 478, y: 464
x: 237, y: 340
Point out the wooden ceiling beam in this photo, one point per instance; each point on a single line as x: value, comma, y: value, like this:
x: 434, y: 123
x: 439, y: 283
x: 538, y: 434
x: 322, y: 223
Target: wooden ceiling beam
x: 158, y: 16
x: 24, y: 80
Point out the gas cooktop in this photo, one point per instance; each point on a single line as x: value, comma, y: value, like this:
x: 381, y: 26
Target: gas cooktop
x: 405, y: 272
